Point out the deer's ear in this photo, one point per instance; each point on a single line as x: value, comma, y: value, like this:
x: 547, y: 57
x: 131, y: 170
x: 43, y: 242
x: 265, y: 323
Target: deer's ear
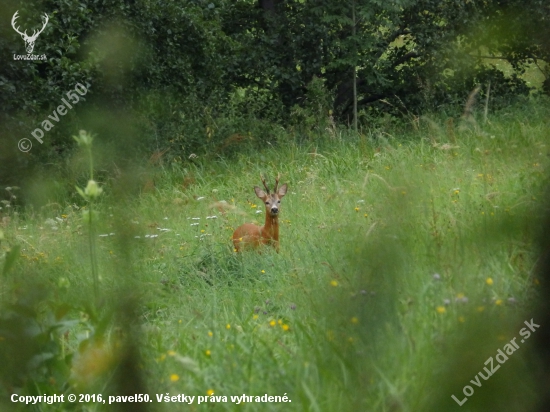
x: 282, y: 190
x: 259, y: 192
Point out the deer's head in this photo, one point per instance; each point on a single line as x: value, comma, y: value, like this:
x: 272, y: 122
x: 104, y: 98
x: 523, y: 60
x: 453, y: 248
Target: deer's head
x: 272, y: 200
x: 29, y: 40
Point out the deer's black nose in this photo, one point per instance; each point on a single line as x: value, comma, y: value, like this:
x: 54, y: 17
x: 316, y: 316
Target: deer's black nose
x: 274, y: 210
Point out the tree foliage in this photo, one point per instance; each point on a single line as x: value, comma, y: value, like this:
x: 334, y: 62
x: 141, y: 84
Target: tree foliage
x: 179, y: 66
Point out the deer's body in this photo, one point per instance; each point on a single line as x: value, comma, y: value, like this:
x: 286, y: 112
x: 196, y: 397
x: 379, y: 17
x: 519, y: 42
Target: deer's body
x: 249, y: 235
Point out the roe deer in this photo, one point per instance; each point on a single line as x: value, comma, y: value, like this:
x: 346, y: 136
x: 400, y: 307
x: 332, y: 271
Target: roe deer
x: 250, y: 235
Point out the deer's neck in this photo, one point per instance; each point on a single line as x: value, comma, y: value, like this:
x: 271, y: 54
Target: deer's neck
x: 271, y: 227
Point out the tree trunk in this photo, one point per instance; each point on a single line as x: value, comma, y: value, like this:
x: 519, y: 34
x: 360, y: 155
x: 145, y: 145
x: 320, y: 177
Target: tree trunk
x: 353, y: 31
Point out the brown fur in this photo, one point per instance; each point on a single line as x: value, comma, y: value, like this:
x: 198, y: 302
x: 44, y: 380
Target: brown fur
x: 249, y: 235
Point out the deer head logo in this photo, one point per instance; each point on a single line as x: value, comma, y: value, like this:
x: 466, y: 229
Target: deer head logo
x: 29, y: 40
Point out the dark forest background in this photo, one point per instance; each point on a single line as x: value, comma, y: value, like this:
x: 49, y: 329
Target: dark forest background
x: 195, y: 73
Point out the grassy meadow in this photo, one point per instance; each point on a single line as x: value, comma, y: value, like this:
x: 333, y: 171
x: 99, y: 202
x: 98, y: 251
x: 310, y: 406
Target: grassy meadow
x: 407, y: 260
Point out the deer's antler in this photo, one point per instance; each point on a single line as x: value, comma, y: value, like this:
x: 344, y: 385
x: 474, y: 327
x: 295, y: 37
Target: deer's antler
x: 265, y: 185
x: 15, y: 17
x: 35, y: 33
x: 45, y: 18
x: 277, y: 182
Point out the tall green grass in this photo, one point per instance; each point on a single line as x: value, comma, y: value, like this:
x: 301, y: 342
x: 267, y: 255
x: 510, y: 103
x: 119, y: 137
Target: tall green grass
x: 407, y: 259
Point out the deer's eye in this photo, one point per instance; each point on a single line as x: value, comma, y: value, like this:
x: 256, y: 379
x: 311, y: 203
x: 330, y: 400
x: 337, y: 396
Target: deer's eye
x: 266, y: 203
x: 278, y: 201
